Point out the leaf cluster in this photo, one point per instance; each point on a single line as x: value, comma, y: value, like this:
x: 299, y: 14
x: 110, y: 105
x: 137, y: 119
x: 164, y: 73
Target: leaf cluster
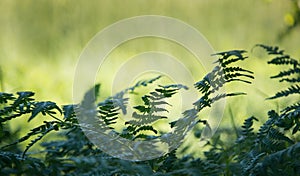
x: 272, y: 149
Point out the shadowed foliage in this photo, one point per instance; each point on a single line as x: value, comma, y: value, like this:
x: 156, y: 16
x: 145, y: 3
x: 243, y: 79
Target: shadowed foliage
x: 272, y: 149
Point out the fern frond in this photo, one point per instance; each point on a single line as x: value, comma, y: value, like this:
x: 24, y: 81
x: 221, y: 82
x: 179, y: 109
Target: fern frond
x: 236, y: 69
x: 292, y: 107
x: 284, y: 60
x: 144, y: 136
x: 274, y: 134
x: 253, y: 160
x: 203, y: 85
x: 21, y: 105
x: 8, y: 118
x: 151, y: 111
x: 272, y: 50
x: 235, y: 55
x: 175, y: 86
x: 293, y: 89
x: 46, y: 108
x: 263, y: 130
x: 269, y: 138
x: 290, y: 117
x: 109, y: 110
x: 235, y: 75
x: 143, y: 119
x: 143, y: 83
x: 5, y: 97
x: 274, y: 163
x: 246, y: 142
x: 222, y: 74
x: 290, y: 80
x: 146, y: 128
x: 43, y: 134
x: 23, y: 98
x: 42, y: 130
x: 247, y: 129
x: 69, y: 112
x: 291, y: 75
x: 220, y: 96
x: 204, y: 101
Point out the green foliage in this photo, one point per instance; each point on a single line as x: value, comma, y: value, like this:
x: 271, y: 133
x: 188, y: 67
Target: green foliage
x: 222, y: 74
x: 272, y: 149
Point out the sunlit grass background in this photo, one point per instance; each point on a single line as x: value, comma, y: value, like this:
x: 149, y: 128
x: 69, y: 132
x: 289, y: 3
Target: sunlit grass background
x: 41, y: 41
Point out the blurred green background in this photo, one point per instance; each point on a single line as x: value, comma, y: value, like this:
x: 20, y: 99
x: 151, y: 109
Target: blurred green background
x: 41, y: 41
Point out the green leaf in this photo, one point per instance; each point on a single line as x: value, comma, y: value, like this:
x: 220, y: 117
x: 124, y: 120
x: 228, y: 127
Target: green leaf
x: 23, y: 98
x: 142, y: 109
x: 44, y: 108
